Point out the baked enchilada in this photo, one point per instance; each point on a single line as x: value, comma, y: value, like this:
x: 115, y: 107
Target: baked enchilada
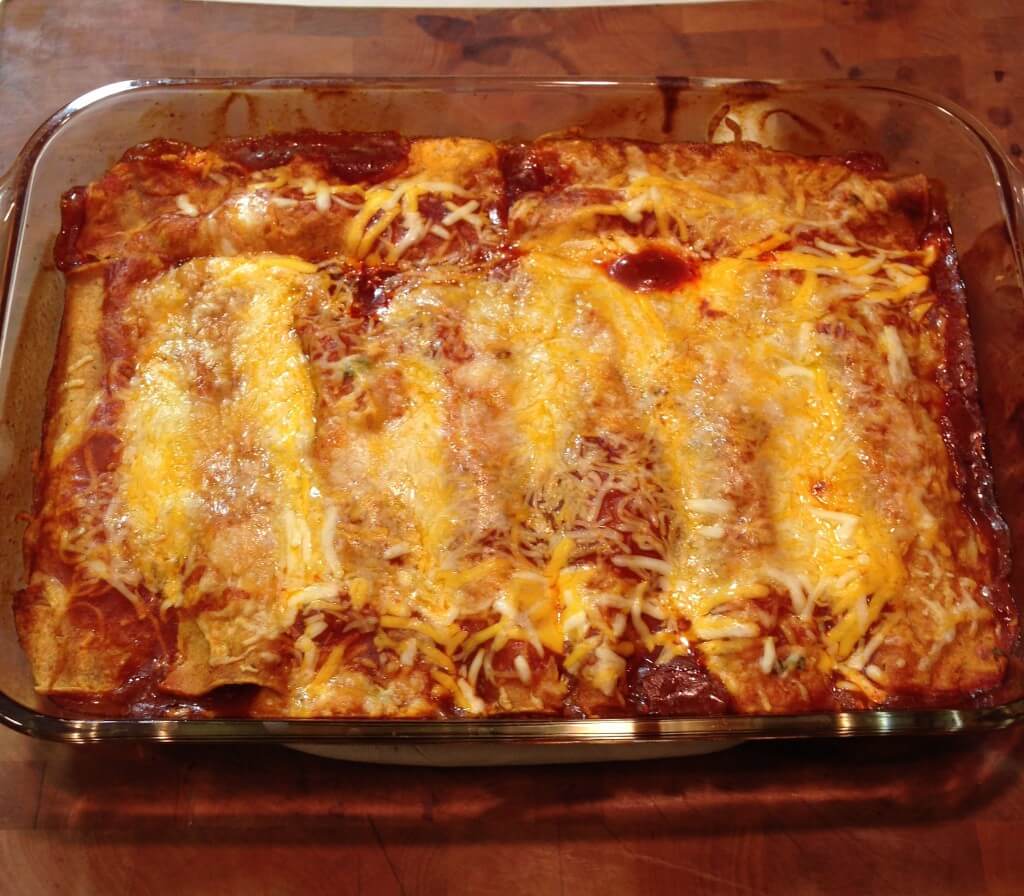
x: 355, y: 425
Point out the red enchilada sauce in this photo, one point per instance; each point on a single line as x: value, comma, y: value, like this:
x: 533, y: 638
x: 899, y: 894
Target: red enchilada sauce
x: 527, y: 169
x: 682, y: 686
x: 72, y: 221
x: 963, y: 428
x: 653, y: 270
x: 350, y: 157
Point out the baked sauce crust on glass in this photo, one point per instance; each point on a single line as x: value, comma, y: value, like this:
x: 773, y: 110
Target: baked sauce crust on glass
x: 354, y: 425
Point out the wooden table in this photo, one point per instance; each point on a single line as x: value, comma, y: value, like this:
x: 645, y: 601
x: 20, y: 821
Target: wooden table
x: 925, y: 816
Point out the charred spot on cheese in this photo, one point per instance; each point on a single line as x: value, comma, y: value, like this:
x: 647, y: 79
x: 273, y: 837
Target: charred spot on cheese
x: 653, y: 269
x: 350, y: 157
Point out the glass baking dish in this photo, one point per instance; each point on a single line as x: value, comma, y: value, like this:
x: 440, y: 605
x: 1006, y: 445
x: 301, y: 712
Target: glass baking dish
x: 916, y: 132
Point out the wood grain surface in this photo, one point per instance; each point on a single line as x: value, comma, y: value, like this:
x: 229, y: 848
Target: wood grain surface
x: 928, y: 816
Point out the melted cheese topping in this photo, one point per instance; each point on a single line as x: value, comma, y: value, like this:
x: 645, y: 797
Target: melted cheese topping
x: 217, y: 436
x: 509, y: 485
x: 549, y: 362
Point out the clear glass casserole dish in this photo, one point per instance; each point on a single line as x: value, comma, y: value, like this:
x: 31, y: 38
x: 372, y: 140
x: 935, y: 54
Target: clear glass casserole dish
x: 915, y: 132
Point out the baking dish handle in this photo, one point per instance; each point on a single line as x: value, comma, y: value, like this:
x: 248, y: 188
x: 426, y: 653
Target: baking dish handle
x: 8, y: 218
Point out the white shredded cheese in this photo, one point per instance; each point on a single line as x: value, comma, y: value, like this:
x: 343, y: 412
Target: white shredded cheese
x: 713, y: 506
x: 185, y: 206
x: 522, y: 668
x: 323, y: 198
x: 714, y: 532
